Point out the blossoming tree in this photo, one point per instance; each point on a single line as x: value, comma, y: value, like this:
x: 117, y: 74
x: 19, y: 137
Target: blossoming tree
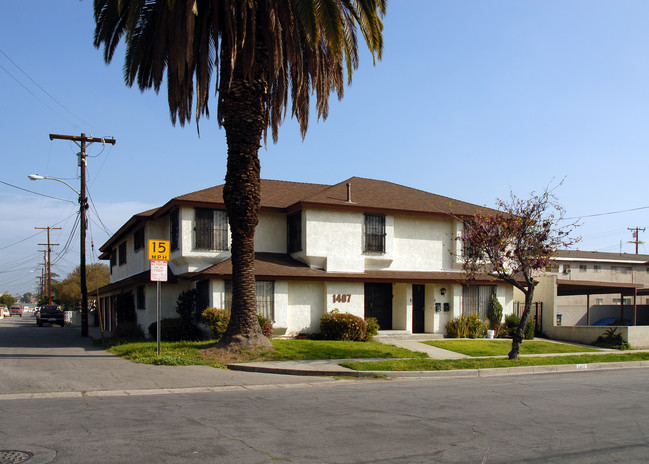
x: 513, y: 243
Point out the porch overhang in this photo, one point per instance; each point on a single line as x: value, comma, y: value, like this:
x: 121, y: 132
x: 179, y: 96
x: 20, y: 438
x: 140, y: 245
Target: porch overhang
x: 279, y: 266
x: 587, y: 287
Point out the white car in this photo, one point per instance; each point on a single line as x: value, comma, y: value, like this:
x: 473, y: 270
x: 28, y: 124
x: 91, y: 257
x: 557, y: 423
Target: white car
x: 5, y: 312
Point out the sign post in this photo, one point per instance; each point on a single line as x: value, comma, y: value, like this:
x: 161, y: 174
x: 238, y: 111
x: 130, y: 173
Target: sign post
x: 158, y: 256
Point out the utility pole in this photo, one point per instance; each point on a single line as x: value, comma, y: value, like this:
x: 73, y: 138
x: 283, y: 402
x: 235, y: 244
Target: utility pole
x: 83, y: 206
x: 48, y: 261
x: 636, y: 232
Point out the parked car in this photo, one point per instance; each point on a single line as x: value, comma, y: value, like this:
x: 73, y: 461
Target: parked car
x: 50, y: 314
x: 16, y: 309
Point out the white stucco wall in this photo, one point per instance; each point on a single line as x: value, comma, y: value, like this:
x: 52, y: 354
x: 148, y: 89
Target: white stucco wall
x: 270, y: 235
x: 305, y: 307
x: 422, y: 244
x: 333, y: 240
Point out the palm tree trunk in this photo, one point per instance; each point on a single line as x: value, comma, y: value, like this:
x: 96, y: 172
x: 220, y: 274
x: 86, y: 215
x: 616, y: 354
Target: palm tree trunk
x: 243, y: 115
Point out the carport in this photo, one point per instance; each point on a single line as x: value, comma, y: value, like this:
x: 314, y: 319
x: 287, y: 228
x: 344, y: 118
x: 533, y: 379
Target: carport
x: 588, y: 288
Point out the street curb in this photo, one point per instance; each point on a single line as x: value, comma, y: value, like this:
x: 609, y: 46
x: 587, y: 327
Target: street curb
x: 492, y: 372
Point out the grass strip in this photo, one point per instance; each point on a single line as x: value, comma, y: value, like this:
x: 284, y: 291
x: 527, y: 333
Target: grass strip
x: 487, y: 363
x: 501, y: 347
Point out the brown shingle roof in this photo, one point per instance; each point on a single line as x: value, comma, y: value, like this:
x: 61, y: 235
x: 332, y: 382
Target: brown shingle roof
x: 600, y: 256
x: 366, y: 195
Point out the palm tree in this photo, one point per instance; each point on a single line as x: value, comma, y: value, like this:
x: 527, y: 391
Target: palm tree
x: 261, y: 50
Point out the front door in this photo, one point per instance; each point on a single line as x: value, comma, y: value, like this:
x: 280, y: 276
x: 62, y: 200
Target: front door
x: 378, y: 304
x: 418, y: 298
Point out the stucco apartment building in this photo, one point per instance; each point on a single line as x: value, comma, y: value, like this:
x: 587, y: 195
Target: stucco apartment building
x: 595, y: 285
x: 363, y: 246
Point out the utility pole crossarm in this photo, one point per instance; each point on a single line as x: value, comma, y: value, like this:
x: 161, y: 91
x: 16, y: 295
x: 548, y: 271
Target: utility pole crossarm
x: 82, y: 138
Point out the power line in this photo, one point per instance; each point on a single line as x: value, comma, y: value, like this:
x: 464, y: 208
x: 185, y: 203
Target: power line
x: 605, y: 214
x: 45, y: 92
x: 35, y: 193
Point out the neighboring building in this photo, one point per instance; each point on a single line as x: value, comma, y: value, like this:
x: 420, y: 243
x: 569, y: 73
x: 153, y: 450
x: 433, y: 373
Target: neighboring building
x: 368, y: 247
x: 581, y: 291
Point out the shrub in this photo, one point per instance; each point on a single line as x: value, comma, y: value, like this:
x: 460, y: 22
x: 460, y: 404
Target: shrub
x: 128, y: 331
x: 471, y: 326
x: 511, y: 324
x: 612, y: 339
x: 175, y: 329
x: 343, y: 326
x: 266, y: 326
x: 495, y: 313
x: 187, y: 306
x: 372, y: 327
x: 217, y: 320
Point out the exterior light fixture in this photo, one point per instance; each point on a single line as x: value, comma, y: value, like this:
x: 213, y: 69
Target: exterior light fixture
x: 443, y: 291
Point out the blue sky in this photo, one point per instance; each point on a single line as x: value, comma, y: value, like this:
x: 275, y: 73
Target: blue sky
x: 471, y: 100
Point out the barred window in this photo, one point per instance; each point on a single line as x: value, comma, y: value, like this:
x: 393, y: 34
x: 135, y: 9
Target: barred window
x: 138, y: 239
x: 265, y: 290
x: 476, y: 298
x: 174, y: 230
x: 294, y: 232
x: 210, y: 229
x: 375, y: 233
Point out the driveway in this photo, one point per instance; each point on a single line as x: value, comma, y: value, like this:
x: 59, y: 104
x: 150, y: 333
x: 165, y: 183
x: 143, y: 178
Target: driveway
x: 45, y: 360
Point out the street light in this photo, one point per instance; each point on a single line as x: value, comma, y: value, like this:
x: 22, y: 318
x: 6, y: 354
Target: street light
x: 83, y: 206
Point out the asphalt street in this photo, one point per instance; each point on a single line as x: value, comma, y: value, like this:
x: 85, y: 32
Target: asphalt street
x: 64, y: 401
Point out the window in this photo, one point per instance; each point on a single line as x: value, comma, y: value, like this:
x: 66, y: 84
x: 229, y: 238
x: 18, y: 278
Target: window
x: 597, y: 268
x: 627, y: 301
x: 174, y: 230
x: 476, y: 298
x: 122, y: 253
x: 140, y: 301
x: 138, y: 239
x: 583, y: 267
x: 599, y: 301
x: 113, y: 259
x: 625, y: 270
x: 265, y: 291
x: 375, y: 233
x: 552, y: 268
x: 294, y: 232
x: 210, y: 229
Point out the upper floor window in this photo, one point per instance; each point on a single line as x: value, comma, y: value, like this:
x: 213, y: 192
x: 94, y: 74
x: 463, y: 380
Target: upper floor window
x: 138, y: 239
x: 113, y: 260
x: 294, y: 232
x: 583, y: 267
x: 174, y: 230
x: 210, y: 229
x: 375, y: 233
x: 122, y: 253
x: 597, y: 268
x: 552, y: 268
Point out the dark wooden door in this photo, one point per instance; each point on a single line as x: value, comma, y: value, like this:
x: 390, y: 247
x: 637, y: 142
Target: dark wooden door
x: 378, y: 304
x: 418, y: 299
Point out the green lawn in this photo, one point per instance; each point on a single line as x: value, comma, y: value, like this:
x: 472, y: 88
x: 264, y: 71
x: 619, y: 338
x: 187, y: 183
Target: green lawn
x: 204, y: 353
x: 486, y: 363
x: 501, y: 347
x: 187, y: 353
